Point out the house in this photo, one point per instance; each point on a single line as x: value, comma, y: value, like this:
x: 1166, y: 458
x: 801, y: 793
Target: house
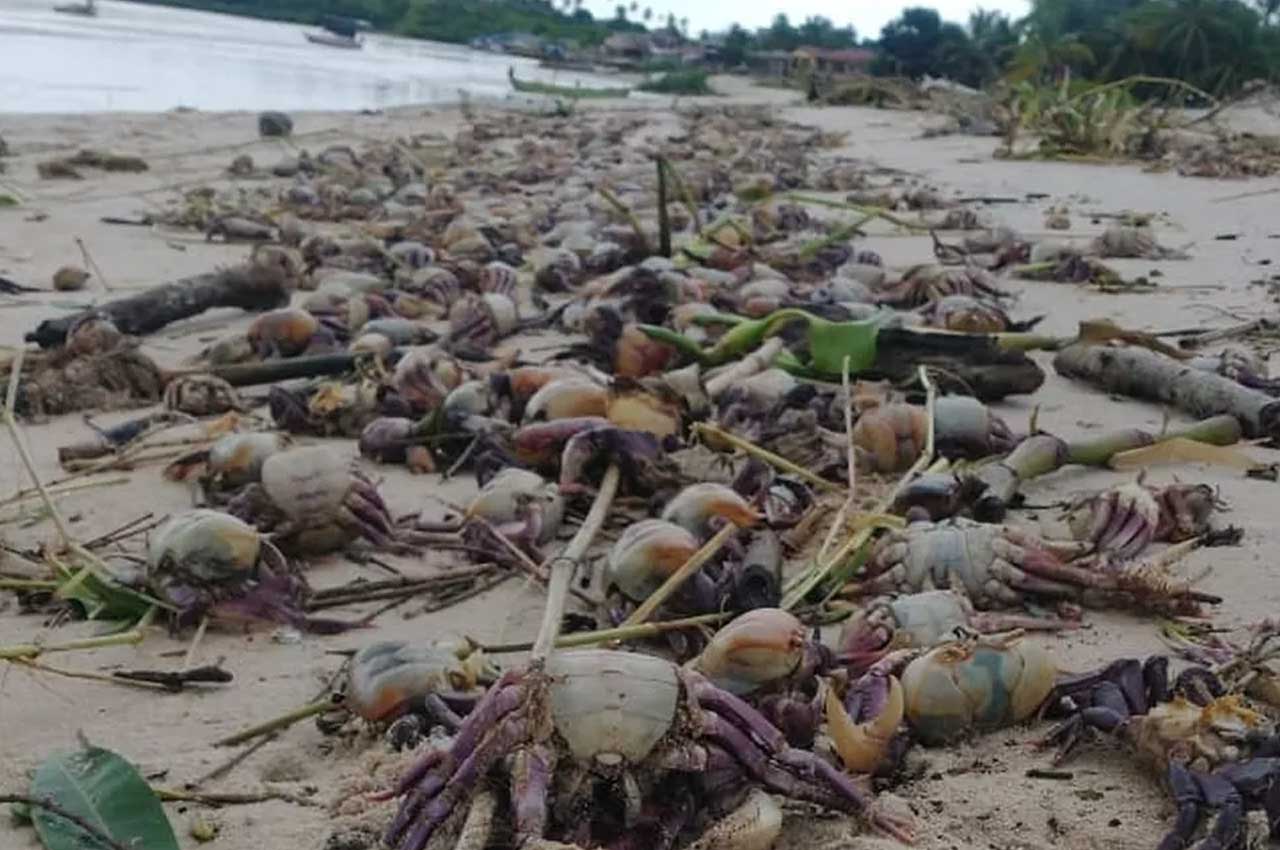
x: 834, y: 63
x: 769, y: 63
x: 628, y: 45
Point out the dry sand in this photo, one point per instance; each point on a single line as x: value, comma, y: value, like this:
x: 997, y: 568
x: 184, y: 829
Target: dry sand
x: 974, y: 795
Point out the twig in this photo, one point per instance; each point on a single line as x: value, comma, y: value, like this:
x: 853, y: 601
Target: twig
x: 705, y: 429
x: 620, y: 633
x: 673, y: 583
x: 173, y: 795
x: 754, y: 363
x: 189, y: 660
x: 230, y: 764
x: 94, y: 831
x: 88, y: 261
x: 566, y: 563
x: 851, y: 461
x: 32, y: 664
x: 32, y: 650
x: 627, y: 214
x: 664, y: 218
x: 275, y: 724
x: 819, y: 571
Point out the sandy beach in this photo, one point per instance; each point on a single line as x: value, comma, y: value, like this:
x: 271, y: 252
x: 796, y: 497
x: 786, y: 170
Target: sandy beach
x: 975, y: 795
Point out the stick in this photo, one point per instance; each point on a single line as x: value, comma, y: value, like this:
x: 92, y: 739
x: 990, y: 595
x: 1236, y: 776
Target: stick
x: 88, y: 261
x: 32, y: 650
x: 705, y: 430
x: 680, y: 576
x: 189, y: 661
x: 619, y: 633
x: 275, y: 724
x: 32, y: 664
x: 852, y: 465
x: 664, y: 219
x: 48, y: 805
x: 564, y: 566
x: 818, y: 572
x: 173, y: 795
x: 627, y: 214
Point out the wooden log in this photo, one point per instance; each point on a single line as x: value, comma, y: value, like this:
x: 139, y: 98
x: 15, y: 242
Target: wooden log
x: 1143, y: 374
x: 248, y: 287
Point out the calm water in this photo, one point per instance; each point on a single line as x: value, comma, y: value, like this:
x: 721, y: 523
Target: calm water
x: 133, y: 57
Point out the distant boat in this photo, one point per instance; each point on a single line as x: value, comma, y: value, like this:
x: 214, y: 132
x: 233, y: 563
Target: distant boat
x: 339, y: 32
x: 332, y: 40
x: 574, y: 92
x: 87, y: 9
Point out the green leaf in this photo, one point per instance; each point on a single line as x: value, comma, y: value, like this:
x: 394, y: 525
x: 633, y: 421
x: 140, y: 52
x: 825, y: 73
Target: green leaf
x: 8, y: 200
x: 106, y: 791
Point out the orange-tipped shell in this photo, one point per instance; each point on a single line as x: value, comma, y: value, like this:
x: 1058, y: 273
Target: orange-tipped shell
x: 757, y: 648
x: 697, y: 504
x: 567, y: 398
x: 646, y: 554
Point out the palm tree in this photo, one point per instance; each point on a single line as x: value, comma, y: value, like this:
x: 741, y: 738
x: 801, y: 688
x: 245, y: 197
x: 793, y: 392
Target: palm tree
x: 634, y: 7
x: 684, y: 25
x: 648, y: 14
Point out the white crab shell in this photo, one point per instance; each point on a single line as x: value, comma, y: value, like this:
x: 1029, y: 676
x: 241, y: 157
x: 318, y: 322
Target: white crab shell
x: 612, y: 707
x: 308, y: 483
x: 207, y: 544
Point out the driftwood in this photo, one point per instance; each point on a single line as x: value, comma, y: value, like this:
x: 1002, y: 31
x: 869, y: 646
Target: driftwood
x: 1143, y: 374
x: 248, y: 286
x: 1040, y: 454
x: 973, y: 364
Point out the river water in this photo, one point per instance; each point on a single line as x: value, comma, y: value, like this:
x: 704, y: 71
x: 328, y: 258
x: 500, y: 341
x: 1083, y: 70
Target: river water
x: 135, y: 57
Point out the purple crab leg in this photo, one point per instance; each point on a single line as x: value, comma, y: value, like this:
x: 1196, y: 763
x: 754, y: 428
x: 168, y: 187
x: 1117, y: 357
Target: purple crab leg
x: 502, y: 699
x: 496, y: 744
x: 756, y: 760
x: 530, y: 789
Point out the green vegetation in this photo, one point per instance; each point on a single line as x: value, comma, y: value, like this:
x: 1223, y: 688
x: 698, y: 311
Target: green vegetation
x: 1214, y: 45
x: 690, y: 82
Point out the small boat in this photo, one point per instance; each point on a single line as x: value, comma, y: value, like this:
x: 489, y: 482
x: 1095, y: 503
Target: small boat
x: 574, y: 92
x: 333, y: 40
x: 338, y: 32
x: 87, y: 9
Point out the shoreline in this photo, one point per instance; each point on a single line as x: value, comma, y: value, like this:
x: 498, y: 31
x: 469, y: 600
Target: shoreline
x: 973, y: 794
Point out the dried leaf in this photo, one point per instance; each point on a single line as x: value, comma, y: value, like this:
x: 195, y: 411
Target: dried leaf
x: 1182, y: 450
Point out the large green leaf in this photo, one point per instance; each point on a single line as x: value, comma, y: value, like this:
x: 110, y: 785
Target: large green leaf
x: 106, y: 791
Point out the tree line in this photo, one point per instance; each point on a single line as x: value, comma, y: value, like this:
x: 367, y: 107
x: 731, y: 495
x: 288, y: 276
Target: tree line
x: 1215, y: 45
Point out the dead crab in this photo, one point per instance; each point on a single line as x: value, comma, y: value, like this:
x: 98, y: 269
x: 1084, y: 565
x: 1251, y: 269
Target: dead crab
x: 1124, y: 519
x: 414, y: 686
x: 966, y: 314
x: 207, y: 563
x: 890, y: 437
x: 589, y: 723
x: 998, y: 566
x: 924, y: 283
x: 521, y: 506
x: 923, y: 620
x: 201, y: 395
x: 1215, y: 751
x: 313, y: 500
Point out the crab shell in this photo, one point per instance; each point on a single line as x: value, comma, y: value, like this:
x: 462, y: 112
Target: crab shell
x: 503, y: 498
x: 612, y: 707
x: 424, y: 376
x: 385, y: 678
x: 566, y: 398
x: 915, y: 620
x: 483, y: 319
x: 646, y: 555
x: 975, y: 684
x: 756, y: 649
x: 286, y: 332
x: 696, y: 505
x: 208, y: 545
x: 237, y: 459
x: 308, y: 484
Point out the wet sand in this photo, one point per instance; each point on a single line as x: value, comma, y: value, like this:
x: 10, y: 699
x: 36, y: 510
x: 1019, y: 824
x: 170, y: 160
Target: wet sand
x: 972, y: 795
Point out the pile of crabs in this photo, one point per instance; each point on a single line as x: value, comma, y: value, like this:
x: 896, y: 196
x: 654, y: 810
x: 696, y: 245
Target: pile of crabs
x: 517, y: 312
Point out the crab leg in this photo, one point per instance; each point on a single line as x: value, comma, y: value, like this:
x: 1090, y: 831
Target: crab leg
x: 530, y: 787
x: 437, y: 810
x: 1193, y: 791
x: 502, y: 699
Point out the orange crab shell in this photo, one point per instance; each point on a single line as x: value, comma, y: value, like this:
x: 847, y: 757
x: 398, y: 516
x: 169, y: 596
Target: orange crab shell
x: 893, y: 435
x: 288, y: 331
x: 759, y: 647
x: 697, y: 504
x: 646, y: 555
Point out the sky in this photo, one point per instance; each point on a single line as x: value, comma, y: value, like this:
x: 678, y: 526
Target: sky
x: 866, y: 16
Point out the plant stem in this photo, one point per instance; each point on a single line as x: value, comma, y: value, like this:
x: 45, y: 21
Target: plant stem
x: 275, y: 724
x: 566, y: 563
x: 673, y: 583
x: 619, y: 633
x: 714, y: 432
x: 32, y: 650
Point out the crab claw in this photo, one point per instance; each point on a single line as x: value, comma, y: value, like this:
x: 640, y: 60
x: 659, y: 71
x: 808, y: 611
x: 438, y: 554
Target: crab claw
x: 864, y: 746
x: 566, y: 398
